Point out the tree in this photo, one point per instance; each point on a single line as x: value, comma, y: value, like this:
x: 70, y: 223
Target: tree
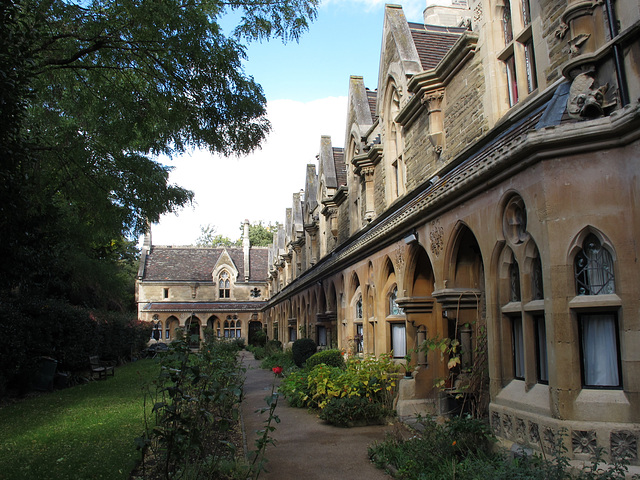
x: 96, y: 90
x: 261, y: 235
x: 209, y: 238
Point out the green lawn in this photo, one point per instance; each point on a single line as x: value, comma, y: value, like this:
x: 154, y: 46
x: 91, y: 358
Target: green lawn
x: 85, y: 432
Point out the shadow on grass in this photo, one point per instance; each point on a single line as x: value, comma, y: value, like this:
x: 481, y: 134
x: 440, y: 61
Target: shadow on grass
x: 83, y: 432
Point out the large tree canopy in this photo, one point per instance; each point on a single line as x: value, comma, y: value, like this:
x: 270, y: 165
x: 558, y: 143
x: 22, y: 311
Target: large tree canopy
x: 93, y: 90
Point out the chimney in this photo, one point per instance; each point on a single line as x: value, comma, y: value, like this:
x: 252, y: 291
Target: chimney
x: 246, y: 245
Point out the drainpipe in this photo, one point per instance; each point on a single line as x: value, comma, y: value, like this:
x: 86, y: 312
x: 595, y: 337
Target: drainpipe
x: 617, y: 54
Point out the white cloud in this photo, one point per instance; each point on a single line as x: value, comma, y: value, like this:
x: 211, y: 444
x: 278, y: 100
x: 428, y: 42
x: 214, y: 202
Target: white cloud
x: 258, y: 187
x: 412, y: 8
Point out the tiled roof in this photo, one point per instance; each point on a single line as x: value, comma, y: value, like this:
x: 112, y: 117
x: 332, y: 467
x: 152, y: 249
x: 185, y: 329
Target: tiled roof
x: 198, y: 307
x: 341, y: 168
x: 433, y: 42
x: 197, y: 263
x: 372, y: 98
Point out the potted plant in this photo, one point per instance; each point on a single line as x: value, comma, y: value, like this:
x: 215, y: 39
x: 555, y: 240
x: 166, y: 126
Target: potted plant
x: 407, y: 365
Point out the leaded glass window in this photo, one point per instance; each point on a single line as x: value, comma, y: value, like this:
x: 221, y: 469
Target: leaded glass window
x: 594, y: 269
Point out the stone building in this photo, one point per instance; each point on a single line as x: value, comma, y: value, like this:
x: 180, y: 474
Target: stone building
x: 194, y: 288
x: 485, y: 200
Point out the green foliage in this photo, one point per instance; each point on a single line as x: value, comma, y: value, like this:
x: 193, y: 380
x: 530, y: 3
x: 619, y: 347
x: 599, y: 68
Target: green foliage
x: 94, y: 96
x: 37, y: 327
x: 209, y: 238
x: 278, y: 358
x: 261, y: 235
x: 331, y: 357
x: 193, y: 411
x: 302, y: 349
x: 353, y: 411
x: 80, y: 432
x: 259, y: 338
x: 371, y: 378
x: 461, y: 448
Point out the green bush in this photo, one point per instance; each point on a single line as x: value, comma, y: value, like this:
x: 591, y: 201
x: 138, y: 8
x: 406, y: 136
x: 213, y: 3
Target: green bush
x: 258, y: 338
x: 273, y: 346
x: 279, y: 359
x: 371, y: 378
x: 353, y: 411
x: 332, y: 358
x: 461, y: 448
x: 302, y: 349
x: 34, y: 327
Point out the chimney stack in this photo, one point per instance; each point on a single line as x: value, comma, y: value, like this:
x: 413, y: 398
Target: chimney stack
x: 246, y: 245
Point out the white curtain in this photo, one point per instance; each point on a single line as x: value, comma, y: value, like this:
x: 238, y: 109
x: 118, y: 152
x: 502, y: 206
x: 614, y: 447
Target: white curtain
x: 600, y: 350
x: 518, y: 348
x: 399, y: 340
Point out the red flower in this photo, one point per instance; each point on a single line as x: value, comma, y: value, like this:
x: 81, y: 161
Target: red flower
x: 277, y: 370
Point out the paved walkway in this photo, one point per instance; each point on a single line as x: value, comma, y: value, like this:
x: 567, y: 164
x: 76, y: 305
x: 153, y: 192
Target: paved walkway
x: 306, y: 447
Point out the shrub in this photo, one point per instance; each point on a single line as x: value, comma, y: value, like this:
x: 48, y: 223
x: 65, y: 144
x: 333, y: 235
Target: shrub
x: 258, y: 338
x: 302, y: 349
x: 273, y: 346
x: 332, y: 358
x: 279, y: 359
x: 352, y: 411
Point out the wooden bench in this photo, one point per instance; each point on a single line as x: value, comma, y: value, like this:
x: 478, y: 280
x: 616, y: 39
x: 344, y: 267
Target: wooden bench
x: 100, y: 368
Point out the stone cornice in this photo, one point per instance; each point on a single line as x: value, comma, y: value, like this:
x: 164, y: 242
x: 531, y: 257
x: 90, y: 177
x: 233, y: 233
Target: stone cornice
x: 370, y: 159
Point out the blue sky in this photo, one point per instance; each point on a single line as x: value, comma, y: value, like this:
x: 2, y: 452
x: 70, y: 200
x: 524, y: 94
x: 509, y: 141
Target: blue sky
x: 306, y: 85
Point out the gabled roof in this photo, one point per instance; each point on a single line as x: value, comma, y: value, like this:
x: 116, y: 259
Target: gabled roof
x: 195, y: 264
x: 433, y: 42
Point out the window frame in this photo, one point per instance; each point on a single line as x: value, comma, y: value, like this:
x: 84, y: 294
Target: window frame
x: 616, y: 324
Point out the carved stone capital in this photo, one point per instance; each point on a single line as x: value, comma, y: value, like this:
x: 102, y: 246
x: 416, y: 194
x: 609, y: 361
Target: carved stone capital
x: 433, y: 100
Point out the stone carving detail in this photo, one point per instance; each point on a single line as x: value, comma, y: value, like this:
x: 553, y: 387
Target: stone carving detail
x: 400, y: 256
x: 521, y: 430
x: 562, y: 30
x: 507, y: 425
x: 495, y: 423
x: 576, y: 43
x: 583, y: 441
x: 477, y: 13
x: 549, y: 439
x: 624, y: 446
x: 436, y: 235
x: 586, y: 100
x: 534, y: 433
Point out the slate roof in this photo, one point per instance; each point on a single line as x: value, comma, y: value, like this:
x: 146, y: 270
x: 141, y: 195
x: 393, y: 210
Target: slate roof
x: 433, y: 42
x: 195, y: 264
x: 372, y: 98
x: 341, y: 168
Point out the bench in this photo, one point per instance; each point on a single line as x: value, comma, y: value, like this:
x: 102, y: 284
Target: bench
x: 100, y: 368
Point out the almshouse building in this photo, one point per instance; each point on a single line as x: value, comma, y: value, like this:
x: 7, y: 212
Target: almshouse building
x: 485, y: 201
x: 195, y: 288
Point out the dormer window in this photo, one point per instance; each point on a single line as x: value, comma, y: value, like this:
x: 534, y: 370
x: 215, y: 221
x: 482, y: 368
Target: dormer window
x: 224, y: 285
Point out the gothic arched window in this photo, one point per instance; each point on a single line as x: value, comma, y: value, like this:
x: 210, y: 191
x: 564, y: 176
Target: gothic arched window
x: 224, y: 285
x: 593, y: 269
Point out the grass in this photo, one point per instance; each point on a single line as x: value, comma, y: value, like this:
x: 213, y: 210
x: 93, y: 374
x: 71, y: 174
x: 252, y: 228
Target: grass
x: 84, y: 432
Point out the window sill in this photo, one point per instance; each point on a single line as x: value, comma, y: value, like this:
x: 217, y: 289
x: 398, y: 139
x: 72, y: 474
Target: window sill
x: 595, y: 301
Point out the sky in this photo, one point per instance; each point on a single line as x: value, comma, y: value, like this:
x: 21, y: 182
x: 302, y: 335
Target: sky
x: 306, y: 85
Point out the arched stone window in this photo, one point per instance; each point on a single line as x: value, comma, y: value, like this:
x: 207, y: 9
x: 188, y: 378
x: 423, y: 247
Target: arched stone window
x: 593, y: 269
x: 358, y: 312
x: 394, y: 309
x: 394, y: 146
x: 224, y: 285
x: 598, y: 324
x: 232, y: 327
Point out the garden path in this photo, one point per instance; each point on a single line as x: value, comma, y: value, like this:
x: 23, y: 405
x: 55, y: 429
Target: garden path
x: 306, y: 447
